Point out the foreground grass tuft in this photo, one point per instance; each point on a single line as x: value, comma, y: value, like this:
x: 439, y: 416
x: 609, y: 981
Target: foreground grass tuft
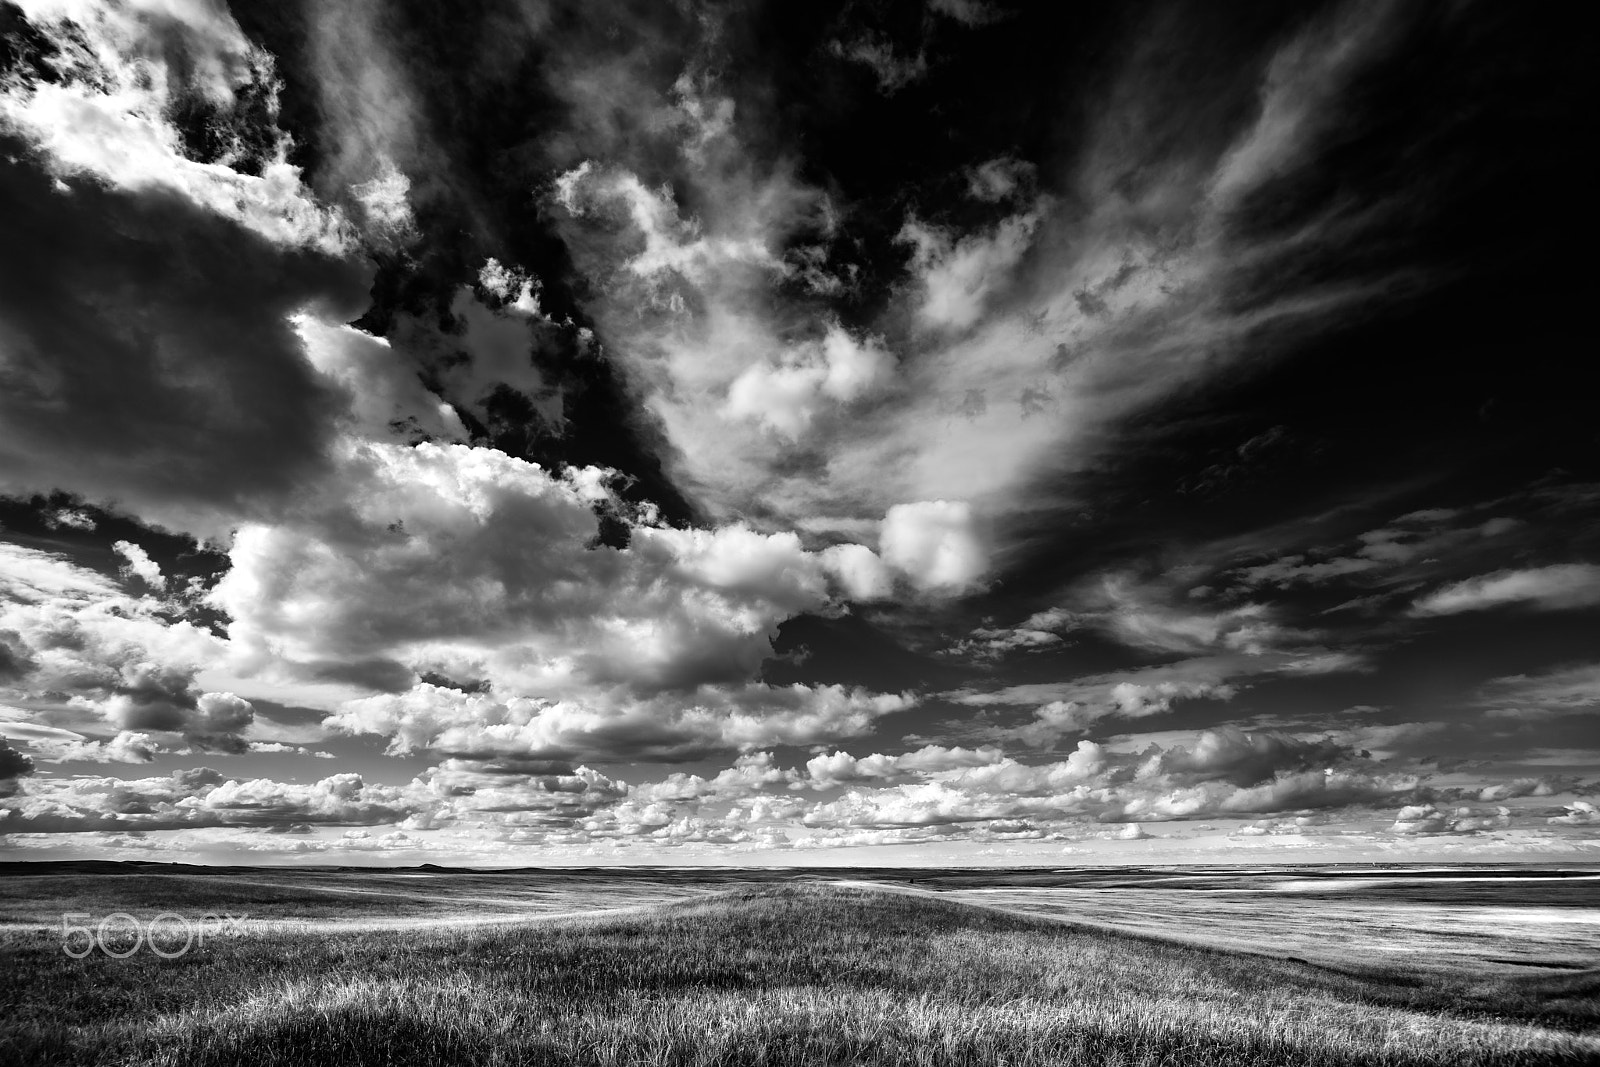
x: 769, y: 975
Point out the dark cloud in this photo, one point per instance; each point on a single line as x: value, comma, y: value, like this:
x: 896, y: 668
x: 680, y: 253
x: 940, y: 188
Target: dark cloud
x: 13, y: 765
x: 15, y: 660
x: 149, y: 360
x: 1246, y: 759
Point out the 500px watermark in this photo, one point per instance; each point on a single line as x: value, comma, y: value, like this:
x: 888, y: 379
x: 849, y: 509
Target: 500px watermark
x: 119, y: 935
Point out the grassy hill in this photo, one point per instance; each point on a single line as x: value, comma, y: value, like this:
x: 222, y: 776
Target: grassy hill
x: 800, y: 974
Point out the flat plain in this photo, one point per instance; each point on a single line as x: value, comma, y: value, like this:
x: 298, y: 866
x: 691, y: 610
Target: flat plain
x: 1246, y: 965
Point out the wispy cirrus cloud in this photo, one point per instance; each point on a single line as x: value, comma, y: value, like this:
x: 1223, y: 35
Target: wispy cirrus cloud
x: 1561, y: 586
x: 1560, y: 690
x: 1075, y: 319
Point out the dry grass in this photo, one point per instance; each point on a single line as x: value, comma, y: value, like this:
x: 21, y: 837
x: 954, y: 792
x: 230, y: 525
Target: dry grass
x: 767, y: 975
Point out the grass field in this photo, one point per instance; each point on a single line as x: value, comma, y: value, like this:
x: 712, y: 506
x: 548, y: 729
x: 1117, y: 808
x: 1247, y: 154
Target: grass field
x: 773, y: 973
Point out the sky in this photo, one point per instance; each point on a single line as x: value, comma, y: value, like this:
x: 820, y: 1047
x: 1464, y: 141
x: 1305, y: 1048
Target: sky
x: 951, y: 432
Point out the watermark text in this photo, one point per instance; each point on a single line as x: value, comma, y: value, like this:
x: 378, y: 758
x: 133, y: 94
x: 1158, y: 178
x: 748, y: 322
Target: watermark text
x: 120, y: 934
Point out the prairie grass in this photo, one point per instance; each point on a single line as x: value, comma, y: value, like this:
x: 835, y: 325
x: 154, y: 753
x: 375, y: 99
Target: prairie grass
x: 277, y: 894
x: 769, y: 975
